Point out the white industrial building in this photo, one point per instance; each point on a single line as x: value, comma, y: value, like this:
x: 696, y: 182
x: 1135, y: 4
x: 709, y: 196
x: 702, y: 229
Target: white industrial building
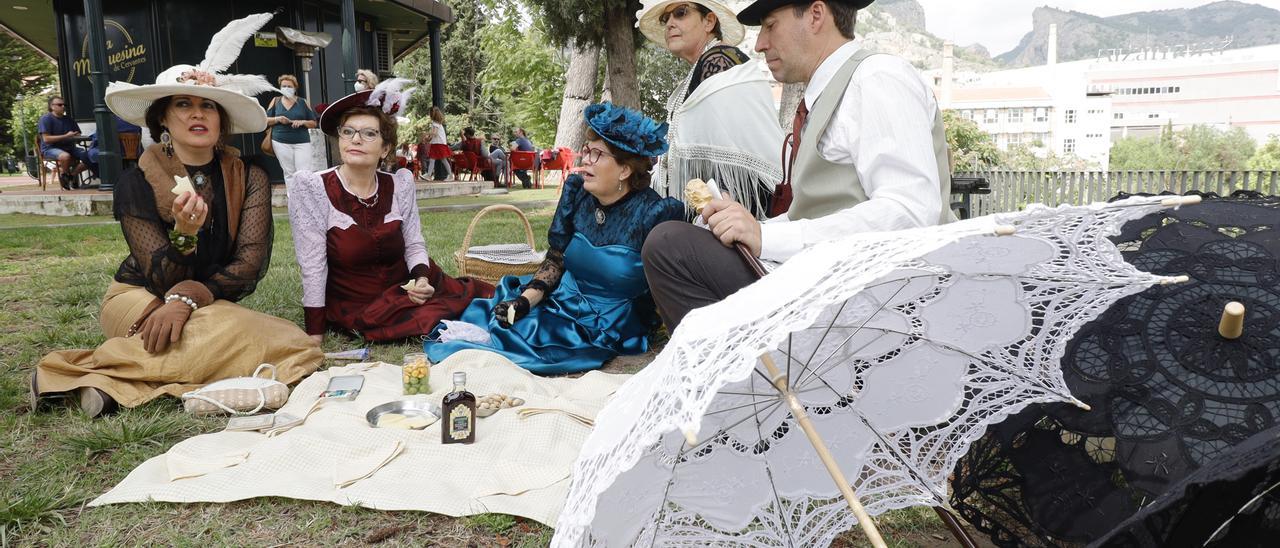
x: 1079, y: 107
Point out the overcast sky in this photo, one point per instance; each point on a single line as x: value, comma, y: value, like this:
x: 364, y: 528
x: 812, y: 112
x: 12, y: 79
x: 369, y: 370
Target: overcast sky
x: 1000, y: 24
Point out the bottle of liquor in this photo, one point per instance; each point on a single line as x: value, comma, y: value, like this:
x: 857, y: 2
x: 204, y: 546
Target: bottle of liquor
x: 459, y: 410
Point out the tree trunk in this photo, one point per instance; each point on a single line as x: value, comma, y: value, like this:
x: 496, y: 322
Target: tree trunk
x: 579, y: 88
x: 620, y: 49
x: 792, y: 94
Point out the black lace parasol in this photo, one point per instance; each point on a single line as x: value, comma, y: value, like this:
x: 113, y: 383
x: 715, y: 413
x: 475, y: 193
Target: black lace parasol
x: 1169, y: 393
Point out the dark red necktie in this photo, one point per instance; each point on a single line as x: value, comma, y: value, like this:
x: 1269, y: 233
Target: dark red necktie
x: 782, y: 192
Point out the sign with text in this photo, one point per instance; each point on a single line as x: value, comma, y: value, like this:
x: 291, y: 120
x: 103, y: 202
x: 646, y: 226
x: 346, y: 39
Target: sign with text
x: 129, y: 52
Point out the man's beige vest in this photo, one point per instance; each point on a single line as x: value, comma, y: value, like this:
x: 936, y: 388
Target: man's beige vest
x: 819, y: 187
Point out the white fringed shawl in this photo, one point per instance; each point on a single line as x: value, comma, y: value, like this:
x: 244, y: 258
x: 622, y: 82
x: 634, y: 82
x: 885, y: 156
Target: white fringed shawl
x: 727, y: 129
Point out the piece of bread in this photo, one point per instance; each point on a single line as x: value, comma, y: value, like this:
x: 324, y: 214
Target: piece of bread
x: 182, y: 184
x: 696, y: 194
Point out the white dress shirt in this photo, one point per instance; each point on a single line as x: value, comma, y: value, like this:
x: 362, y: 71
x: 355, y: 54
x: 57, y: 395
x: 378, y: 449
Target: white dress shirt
x: 884, y: 128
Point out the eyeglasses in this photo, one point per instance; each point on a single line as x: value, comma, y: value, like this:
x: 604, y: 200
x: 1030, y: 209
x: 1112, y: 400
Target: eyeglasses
x: 679, y: 13
x: 362, y: 81
x: 367, y: 134
x: 590, y: 155
x: 58, y: 104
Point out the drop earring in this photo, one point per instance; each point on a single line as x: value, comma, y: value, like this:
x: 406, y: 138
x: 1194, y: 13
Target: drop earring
x: 167, y: 142
x: 620, y: 184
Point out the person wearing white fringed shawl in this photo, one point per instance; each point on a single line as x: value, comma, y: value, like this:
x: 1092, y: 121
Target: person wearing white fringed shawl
x: 723, y: 123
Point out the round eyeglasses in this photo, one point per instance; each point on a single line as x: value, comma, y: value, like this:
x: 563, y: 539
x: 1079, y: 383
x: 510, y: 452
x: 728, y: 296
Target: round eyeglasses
x: 590, y: 155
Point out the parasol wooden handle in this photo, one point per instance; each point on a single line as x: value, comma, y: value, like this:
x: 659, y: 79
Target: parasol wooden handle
x: 1231, y: 326
x: 797, y: 410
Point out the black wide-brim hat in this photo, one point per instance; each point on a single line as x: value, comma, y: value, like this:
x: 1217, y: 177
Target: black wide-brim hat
x: 759, y: 9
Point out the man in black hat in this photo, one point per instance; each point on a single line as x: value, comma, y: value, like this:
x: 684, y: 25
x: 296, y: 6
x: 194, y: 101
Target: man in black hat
x: 868, y: 154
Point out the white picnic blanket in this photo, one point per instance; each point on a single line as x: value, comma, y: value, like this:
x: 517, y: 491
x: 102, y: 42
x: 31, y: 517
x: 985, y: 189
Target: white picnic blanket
x: 516, y: 466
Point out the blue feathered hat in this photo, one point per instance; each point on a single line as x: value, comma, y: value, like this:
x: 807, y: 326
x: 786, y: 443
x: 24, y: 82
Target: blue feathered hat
x: 627, y: 129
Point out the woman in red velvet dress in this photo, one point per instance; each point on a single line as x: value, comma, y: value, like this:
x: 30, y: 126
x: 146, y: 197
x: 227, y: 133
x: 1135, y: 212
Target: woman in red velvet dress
x: 358, y: 238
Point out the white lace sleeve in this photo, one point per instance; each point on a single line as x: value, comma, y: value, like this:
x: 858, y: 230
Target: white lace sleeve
x: 415, y: 247
x: 309, y: 219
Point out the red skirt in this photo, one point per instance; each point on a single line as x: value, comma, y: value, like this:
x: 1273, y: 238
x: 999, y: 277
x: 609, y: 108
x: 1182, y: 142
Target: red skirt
x: 393, y: 316
x: 439, y: 152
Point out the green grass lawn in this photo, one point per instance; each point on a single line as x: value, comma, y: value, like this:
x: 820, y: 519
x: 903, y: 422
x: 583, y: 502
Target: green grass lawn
x: 54, y: 461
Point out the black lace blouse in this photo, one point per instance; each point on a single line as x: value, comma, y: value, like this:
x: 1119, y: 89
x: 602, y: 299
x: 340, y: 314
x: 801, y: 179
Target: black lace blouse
x: 230, y: 268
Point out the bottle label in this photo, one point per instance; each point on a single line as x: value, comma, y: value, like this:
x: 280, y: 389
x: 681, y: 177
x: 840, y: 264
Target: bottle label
x: 459, y: 423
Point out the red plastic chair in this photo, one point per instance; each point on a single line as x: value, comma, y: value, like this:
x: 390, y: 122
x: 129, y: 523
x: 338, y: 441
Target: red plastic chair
x: 562, y: 163
x: 522, y: 160
x: 464, y: 163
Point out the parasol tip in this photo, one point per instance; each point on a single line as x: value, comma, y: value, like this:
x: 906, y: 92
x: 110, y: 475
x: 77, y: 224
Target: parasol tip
x: 691, y: 438
x: 1006, y: 230
x: 1179, y: 201
x: 1231, y: 326
x: 1081, y: 405
x: 1175, y: 280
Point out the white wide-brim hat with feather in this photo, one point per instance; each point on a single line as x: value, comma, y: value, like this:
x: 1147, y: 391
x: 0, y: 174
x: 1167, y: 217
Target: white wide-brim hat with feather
x: 234, y: 92
x: 650, y: 10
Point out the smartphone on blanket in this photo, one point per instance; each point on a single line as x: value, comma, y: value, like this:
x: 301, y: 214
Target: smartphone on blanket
x: 344, y: 388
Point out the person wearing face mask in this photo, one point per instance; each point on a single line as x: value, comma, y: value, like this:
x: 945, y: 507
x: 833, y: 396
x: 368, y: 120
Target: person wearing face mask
x: 724, y: 125
x: 197, y: 222
x: 290, y: 117
x: 357, y: 234
x: 365, y: 80
x: 588, y: 301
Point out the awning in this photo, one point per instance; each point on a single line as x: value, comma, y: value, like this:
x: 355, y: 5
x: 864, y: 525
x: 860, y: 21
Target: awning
x: 35, y: 23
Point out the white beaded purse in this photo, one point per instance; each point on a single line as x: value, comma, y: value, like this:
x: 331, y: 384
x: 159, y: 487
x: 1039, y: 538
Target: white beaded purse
x: 238, y: 396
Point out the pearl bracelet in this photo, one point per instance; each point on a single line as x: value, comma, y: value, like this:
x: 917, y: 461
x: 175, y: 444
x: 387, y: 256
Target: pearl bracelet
x: 184, y: 299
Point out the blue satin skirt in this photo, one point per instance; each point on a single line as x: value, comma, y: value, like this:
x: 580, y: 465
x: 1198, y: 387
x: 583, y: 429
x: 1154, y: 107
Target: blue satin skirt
x: 600, y: 309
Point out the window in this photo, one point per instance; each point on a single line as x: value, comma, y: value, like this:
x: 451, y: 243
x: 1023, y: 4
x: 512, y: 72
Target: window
x: 1068, y: 146
x: 1118, y: 116
x: 991, y: 116
x: 1015, y: 116
x: 1153, y: 116
x: 1071, y: 116
x: 1042, y: 115
x: 1015, y: 139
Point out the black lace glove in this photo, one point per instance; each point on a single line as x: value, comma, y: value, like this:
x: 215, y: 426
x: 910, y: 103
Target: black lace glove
x: 519, y: 304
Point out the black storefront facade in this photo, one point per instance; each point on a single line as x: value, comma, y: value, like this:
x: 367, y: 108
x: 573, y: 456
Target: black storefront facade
x: 144, y: 37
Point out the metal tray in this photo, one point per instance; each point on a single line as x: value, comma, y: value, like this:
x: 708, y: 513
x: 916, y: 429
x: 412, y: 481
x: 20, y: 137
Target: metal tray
x: 405, y: 407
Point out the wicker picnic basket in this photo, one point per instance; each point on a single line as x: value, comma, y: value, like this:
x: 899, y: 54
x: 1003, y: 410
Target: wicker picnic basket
x: 491, y: 271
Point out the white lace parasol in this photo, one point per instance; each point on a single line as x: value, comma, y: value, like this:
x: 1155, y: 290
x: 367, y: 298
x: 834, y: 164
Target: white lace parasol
x: 901, y: 347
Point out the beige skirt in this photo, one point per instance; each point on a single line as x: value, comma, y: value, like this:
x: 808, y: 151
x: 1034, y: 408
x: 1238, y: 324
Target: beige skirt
x: 219, y: 341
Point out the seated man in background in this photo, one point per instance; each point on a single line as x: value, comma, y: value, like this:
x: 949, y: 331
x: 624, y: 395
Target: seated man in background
x: 497, y: 156
x: 58, y: 133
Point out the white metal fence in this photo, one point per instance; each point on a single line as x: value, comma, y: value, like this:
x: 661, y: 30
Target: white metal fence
x: 1013, y: 190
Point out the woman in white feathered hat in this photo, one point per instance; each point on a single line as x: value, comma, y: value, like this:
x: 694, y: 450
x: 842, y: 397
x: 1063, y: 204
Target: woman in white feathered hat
x: 198, y: 224
x: 358, y: 237
x: 723, y: 122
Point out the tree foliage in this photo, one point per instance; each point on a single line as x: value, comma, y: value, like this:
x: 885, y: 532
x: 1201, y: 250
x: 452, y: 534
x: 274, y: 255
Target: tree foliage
x: 24, y: 72
x: 1267, y: 158
x: 524, y: 76
x: 971, y: 148
x: 659, y: 72
x: 1199, y: 147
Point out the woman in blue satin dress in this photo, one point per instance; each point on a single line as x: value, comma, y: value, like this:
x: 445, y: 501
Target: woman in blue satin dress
x: 589, y: 301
